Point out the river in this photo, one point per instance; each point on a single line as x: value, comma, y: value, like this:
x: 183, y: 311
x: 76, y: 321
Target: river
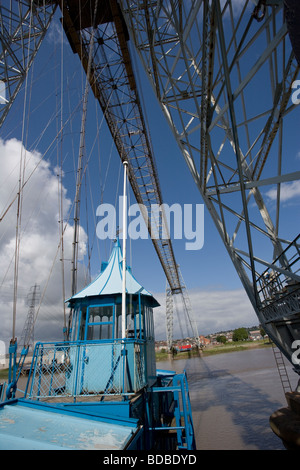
x: 232, y: 397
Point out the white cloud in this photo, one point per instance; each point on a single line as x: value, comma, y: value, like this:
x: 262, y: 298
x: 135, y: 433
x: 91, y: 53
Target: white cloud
x: 288, y: 191
x: 214, y: 310
x: 56, y: 34
x: 39, y: 241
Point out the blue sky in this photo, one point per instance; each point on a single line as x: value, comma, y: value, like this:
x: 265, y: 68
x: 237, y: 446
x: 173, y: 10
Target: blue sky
x: 218, y: 299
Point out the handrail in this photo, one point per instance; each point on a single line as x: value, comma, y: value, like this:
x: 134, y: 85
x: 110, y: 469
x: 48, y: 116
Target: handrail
x: 85, y: 368
x: 272, y: 283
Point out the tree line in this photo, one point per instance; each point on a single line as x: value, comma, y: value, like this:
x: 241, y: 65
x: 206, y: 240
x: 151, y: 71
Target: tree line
x: 239, y: 334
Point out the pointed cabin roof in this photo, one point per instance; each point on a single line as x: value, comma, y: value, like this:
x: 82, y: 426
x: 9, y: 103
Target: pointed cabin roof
x: 109, y: 281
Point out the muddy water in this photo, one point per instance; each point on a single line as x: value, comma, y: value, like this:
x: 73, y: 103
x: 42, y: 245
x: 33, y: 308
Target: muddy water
x: 232, y: 396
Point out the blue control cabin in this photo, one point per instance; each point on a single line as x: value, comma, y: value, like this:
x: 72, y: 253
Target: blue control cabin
x: 100, y: 389
x: 110, y: 362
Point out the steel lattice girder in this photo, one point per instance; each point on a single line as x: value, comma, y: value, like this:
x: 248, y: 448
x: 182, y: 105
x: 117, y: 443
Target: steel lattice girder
x: 23, y: 27
x: 207, y: 61
x: 113, y: 83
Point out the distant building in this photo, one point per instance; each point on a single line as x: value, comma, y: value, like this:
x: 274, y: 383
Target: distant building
x: 204, y: 341
x: 160, y: 345
x: 255, y: 335
x: 184, y: 347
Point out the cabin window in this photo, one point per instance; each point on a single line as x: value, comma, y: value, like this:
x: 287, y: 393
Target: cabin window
x: 130, y: 321
x: 100, y: 323
x: 141, y: 323
x: 118, y: 331
x: 75, y: 323
x: 82, y: 320
x: 149, y: 323
x: 134, y: 322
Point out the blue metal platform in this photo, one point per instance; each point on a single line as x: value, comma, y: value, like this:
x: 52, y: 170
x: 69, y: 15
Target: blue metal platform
x: 38, y: 426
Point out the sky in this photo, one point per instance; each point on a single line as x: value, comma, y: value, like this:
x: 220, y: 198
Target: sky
x: 218, y: 299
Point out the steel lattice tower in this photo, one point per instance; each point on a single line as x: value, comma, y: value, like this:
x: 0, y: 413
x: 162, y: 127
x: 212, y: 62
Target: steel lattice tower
x: 207, y: 62
x: 27, y: 336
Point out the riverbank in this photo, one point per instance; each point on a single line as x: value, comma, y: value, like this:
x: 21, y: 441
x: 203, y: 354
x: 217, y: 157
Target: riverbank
x: 3, y: 374
x: 209, y: 350
x: 215, y: 349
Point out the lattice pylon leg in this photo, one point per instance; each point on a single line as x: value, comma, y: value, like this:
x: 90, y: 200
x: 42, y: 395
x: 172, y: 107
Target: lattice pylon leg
x: 169, y: 316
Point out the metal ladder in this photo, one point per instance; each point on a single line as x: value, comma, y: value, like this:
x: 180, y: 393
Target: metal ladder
x: 285, y: 381
x: 182, y: 412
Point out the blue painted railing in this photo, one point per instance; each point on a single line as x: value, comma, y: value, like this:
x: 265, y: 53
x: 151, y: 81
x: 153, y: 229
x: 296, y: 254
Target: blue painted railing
x: 75, y: 369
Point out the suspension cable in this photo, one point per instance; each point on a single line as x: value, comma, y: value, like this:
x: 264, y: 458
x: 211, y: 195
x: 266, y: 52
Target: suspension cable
x: 80, y: 158
x: 20, y: 200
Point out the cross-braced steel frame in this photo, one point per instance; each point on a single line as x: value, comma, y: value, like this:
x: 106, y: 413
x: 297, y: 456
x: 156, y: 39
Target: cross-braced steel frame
x: 223, y: 72
x: 207, y: 61
x: 23, y: 27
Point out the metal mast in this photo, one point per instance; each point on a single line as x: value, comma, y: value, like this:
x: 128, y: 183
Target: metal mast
x: 223, y: 74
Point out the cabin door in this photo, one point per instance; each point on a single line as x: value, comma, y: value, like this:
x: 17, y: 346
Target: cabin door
x: 101, y: 355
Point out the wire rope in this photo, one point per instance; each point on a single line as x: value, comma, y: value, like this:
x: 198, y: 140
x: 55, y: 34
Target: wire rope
x: 20, y: 201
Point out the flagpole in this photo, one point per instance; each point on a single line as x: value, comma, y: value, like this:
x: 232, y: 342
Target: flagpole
x: 125, y: 164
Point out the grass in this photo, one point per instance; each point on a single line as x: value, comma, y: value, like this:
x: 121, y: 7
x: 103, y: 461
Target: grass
x: 236, y: 346
x: 3, y: 374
